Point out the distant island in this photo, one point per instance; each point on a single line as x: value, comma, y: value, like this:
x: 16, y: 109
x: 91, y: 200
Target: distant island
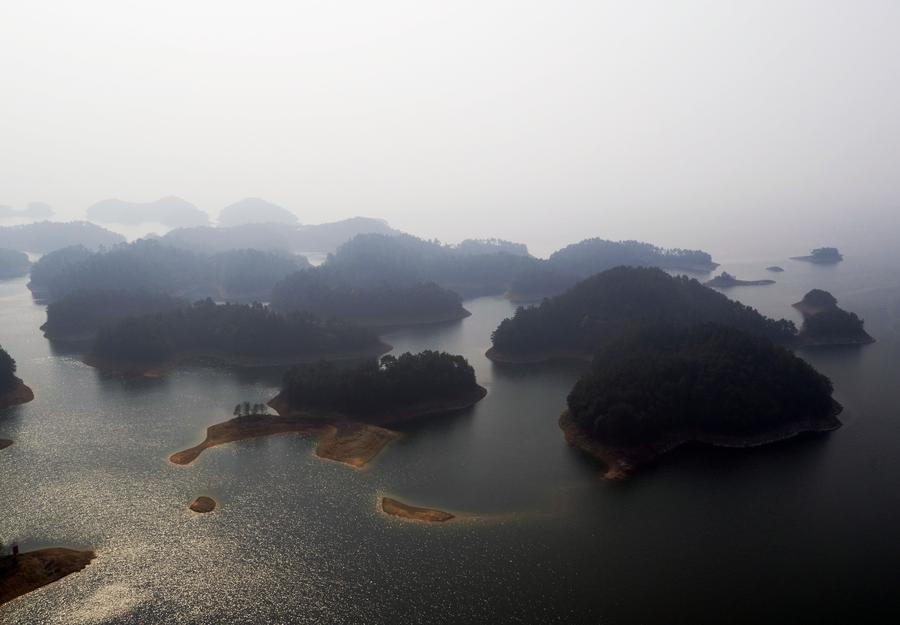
x: 230, y: 333
x: 46, y: 236
x: 34, y: 210
x: 822, y: 255
x: 12, y: 390
x: 254, y: 210
x: 79, y: 315
x: 665, y: 385
x: 237, y: 275
x: 170, y: 211
x: 348, y: 407
x: 824, y: 323
x: 203, y: 505
x: 725, y: 280
x: 25, y: 572
x: 13, y: 264
x: 576, y: 323
x: 775, y: 269
x: 324, y: 293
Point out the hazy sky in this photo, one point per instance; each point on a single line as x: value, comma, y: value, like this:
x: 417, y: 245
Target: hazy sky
x: 733, y: 126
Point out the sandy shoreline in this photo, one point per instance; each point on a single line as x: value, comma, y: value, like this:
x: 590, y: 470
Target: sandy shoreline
x: 620, y: 461
x: 21, y: 394
x: 395, y: 508
x: 32, y: 570
x: 219, y: 359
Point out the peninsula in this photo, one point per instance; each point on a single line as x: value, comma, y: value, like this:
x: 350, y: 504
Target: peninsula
x: 725, y: 280
x: 824, y: 323
x: 13, y: 391
x: 405, y: 511
x: 22, y: 573
x: 733, y: 390
x: 578, y: 322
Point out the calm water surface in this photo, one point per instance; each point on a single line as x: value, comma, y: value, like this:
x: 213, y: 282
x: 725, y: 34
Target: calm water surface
x: 806, y: 531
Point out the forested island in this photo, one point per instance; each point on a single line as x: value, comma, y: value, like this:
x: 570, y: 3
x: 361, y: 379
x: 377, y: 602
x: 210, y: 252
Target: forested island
x: 824, y: 323
x: 34, y: 210
x: 775, y: 269
x: 13, y: 264
x: 45, y: 236
x: 254, y: 210
x: 822, y: 255
x: 664, y: 385
x: 347, y: 406
x: 12, y: 390
x: 576, y: 323
x: 242, y: 275
x: 725, y: 280
x: 231, y: 333
x: 324, y: 293
x: 79, y: 315
x: 170, y: 211
x: 25, y: 572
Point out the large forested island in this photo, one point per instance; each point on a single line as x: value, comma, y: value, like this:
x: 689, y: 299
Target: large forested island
x: 825, y: 323
x: 13, y: 264
x: 578, y: 322
x: 664, y: 385
x: 233, y: 333
x: 12, y: 390
x: 243, y: 275
x: 347, y: 407
x: 46, y: 236
x: 322, y: 292
x: 79, y: 315
x: 171, y: 211
x: 822, y: 255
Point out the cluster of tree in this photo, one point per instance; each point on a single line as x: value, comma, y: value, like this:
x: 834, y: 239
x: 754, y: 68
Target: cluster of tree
x: 81, y: 314
x: 819, y: 299
x: 666, y: 381
x: 8, y: 379
x: 580, y: 260
x: 491, y: 246
x: 323, y: 292
x: 320, y: 238
x: 835, y: 323
x: 228, y: 329
x: 603, y: 305
x: 373, y: 388
x: 13, y: 264
x: 171, y: 211
x: 151, y: 266
x: 246, y: 409
x: 46, y: 236
x: 823, y: 255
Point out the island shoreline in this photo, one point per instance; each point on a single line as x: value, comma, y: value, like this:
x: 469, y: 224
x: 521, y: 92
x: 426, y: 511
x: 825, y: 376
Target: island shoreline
x: 35, y: 569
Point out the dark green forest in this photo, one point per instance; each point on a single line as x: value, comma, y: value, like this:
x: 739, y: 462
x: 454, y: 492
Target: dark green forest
x: 374, y: 387
x: 8, y: 380
x: 13, y: 264
x: 606, y: 304
x: 664, y: 381
x: 85, y: 312
x: 228, y: 329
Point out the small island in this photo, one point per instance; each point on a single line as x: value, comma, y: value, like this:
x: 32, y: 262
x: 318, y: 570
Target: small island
x: 13, y: 264
x: 238, y: 334
x: 24, y: 572
x: 824, y: 323
x: 13, y: 391
x: 666, y: 385
x: 822, y: 256
x: 405, y: 511
x: 575, y: 324
x: 725, y: 280
x: 203, y: 505
x: 775, y: 269
x: 349, y: 407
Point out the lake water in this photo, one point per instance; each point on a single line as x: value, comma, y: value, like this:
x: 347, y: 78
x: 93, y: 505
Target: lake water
x: 805, y: 531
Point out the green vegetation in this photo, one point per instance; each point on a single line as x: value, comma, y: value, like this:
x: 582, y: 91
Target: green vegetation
x: 236, y: 330
x: 152, y: 266
x: 817, y: 298
x: 824, y: 323
x: 45, y: 236
x: 8, y: 379
x: 373, y: 388
x: 665, y: 383
x: 81, y: 314
x: 322, y: 292
x: 604, y: 305
x: 13, y: 264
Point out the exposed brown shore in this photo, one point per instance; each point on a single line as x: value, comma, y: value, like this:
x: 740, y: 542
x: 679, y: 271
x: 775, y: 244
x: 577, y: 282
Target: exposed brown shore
x: 5, y: 442
x: 29, y: 571
x: 151, y: 369
x: 21, y: 394
x: 402, y: 510
x: 534, y: 358
x: 621, y: 461
x: 203, y: 504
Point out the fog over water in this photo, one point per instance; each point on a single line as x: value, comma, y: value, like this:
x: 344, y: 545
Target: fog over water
x: 745, y: 129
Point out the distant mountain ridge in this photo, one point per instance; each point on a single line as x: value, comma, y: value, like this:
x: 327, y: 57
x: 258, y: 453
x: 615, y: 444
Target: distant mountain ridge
x: 171, y: 211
